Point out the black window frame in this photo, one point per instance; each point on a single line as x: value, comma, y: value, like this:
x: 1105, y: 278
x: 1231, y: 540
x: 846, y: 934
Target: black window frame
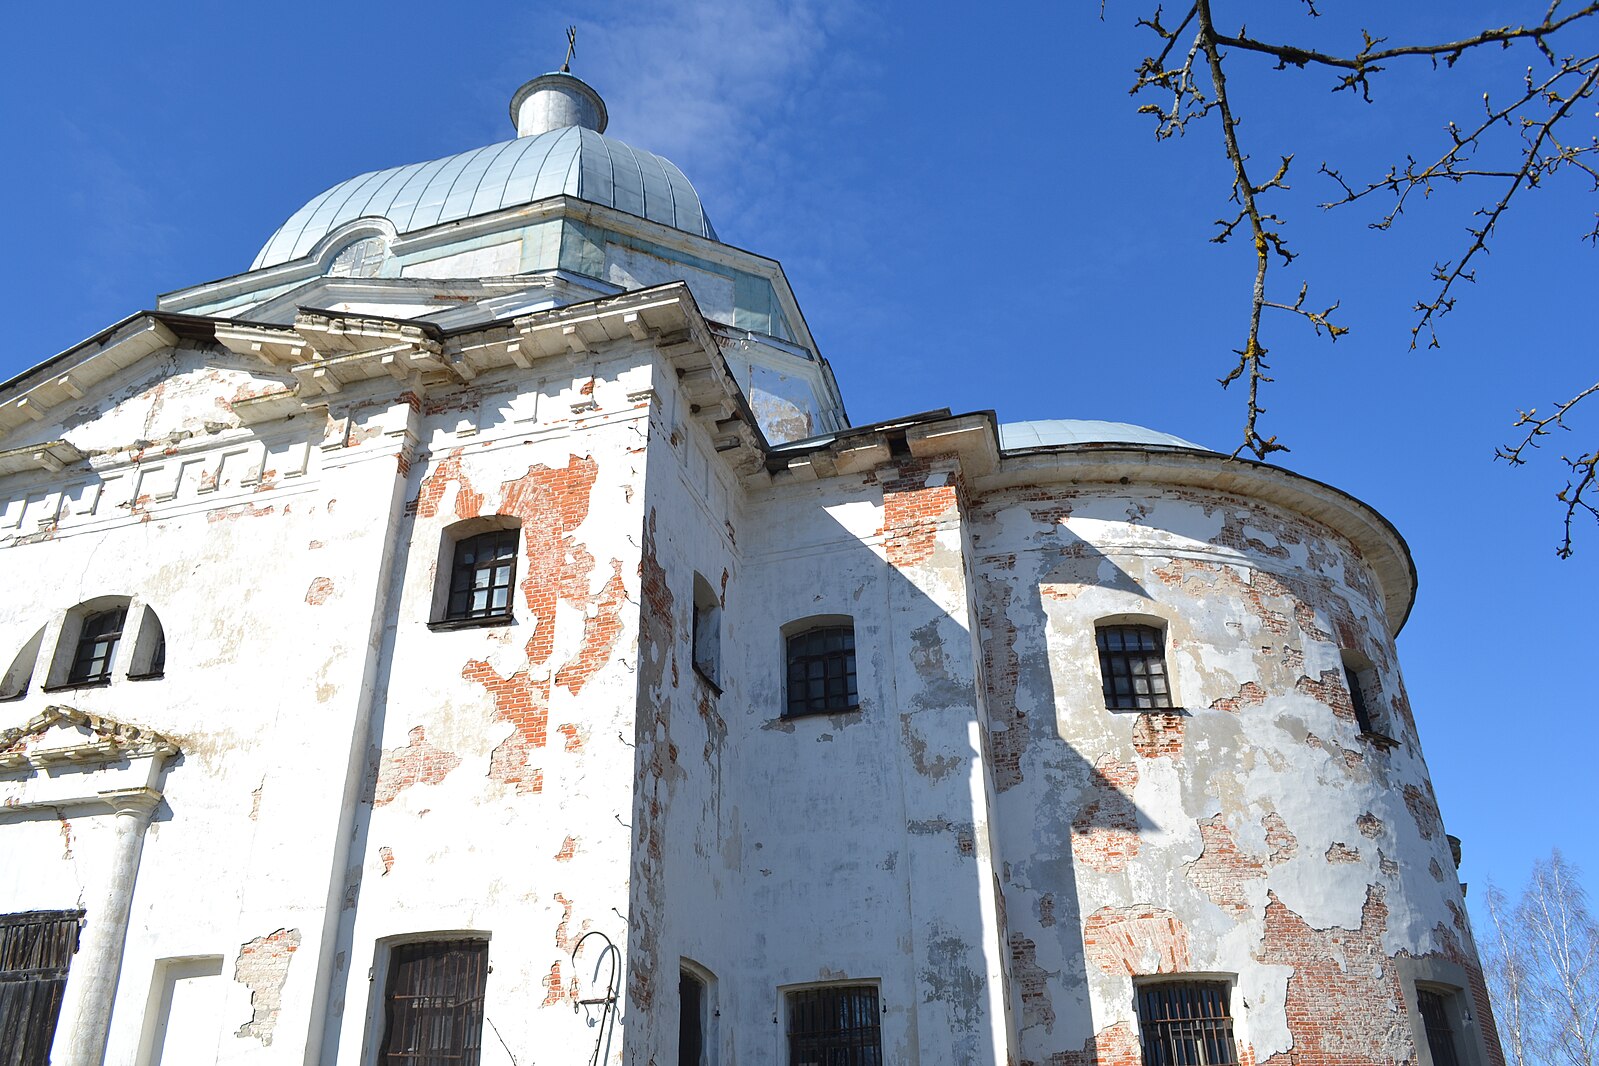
x: 99, y: 638
x: 806, y: 650
x: 467, y: 564
x: 834, y: 1025
x: 1186, y: 1023
x: 414, y: 1009
x: 1122, y: 665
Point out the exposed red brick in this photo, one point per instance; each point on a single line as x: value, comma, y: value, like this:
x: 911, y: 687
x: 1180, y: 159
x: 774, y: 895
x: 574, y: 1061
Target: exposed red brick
x: 1331, y: 690
x: 1137, y: 941
x: 1279, y: 838
x: 321, y: 588
x: 418, y: 763
x: 1032, y: 981
x: 1156, y: 735
x: 1114, y: 1045
x: 263, y: 967
x: 1105, y: 830
x: 468, y: 503
x: 554, y: 991
x: 386, y: 857
x: 574, y: 735
x: 917, y: 500
x: 568, y: 849
x: 1370, y: 825
x: 1339, y: 852
x: 601, y: 631
x: 1221, y: 869
x: 1343, y: 1003
x: 525, y: 703
x: 1424, y: 809
x: 221, y: 514
x: 1250, y: 694
x: 1007, y: 734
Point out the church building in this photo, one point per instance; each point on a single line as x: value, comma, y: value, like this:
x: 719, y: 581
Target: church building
x: 476, y: 634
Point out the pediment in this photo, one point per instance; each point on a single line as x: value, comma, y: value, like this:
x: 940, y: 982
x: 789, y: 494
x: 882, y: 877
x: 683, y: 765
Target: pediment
x: 65, y: 736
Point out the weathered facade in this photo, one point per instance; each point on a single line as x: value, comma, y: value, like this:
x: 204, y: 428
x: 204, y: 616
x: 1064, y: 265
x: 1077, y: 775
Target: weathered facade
x: 261, y: 749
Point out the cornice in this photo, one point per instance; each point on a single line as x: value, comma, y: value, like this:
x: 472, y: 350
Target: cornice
x: 111, y: 742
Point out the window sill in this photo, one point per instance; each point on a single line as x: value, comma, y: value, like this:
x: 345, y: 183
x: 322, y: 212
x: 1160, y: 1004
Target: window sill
x: 99, y: 682
x: 154, y: 676
x: 707, y: 680
x: 792, y: 716
x: 1379, y: 740
x: 1148, y: 710
x: 444, y: 625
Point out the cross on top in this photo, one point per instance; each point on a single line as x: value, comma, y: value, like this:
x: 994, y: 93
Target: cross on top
x: 571, y: 49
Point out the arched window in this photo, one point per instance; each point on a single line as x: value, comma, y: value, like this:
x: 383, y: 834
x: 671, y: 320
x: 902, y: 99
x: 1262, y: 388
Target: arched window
x: 14, y: 682
x: 1132, y: 667
x: 821, y: 668
x: 361, y: 258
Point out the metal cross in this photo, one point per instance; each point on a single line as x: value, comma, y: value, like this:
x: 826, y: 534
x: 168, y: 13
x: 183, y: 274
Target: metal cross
x: 571, y: 49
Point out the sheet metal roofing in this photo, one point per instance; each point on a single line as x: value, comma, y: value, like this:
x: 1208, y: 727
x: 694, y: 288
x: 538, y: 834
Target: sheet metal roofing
x: 1049, y: 432
x: 572, y: 160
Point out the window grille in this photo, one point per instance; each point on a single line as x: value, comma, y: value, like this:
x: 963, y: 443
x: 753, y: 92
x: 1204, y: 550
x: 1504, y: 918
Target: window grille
x: 36, y: 949
x: 482, y: 576
x: 1186, y: 1024
x: 1132, y: 667
x: 838, y: 1025
x: 360, y: 259
x: 97, y: 646
x: 1434, y: 1008
x: 821, y: 671
x: 434, y: 1003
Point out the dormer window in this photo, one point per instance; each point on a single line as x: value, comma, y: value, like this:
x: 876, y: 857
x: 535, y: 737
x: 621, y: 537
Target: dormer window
x: 360, y: 259
x: 97, y: 647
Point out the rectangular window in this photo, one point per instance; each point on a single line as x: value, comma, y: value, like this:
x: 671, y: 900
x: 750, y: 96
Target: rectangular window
x: 36, y: 948
x: 97, y: 647
x: 433, y: 1007
x: 482, y: 576
x: 1186, y: 1023
x: 1132, y: 667
x: 837, y: 1025
x: 1435, y: 1015
x: 821, y: 671
x: 690, y: 1019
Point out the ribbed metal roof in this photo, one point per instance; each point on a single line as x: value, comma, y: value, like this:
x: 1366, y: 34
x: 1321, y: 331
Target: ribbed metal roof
x: 1048, y: 432
x: 572, y: 160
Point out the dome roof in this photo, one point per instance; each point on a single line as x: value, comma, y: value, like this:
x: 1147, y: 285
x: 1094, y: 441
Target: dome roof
x: 1050, y: 432
x: 573, y: 160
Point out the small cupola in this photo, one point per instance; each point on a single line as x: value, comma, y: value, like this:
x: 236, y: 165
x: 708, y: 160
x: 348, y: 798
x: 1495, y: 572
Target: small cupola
x: 554, y: 101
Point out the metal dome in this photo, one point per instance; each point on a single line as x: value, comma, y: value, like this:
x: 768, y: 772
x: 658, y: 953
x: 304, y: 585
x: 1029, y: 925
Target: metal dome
x: 1051, y: 432
x: 572, y: 160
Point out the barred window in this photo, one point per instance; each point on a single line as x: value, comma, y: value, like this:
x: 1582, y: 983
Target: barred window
x: 97, y: 647
x: 1132, y: 667
x: 837, y: 1025
x: 1185, y: 1023
x: 36, y: 949
x: 482, y: 576
x: 433, y: 1006
x: 1434, y: 1009
x: 821, y: 671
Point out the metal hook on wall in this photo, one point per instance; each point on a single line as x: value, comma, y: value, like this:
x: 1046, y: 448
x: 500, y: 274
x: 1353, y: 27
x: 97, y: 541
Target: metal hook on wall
x: 607, y: 1002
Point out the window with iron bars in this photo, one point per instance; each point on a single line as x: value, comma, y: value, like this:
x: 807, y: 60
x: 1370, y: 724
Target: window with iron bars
x: 835, y: 1025
x: 1132, y: 667
x: 821, y: 671
x: 1434, y: 1008
x: 97, y: 647
x: 36, y: 949
x: 482, y: 576
x: 1186, y: 1023
x: 433, y: 1005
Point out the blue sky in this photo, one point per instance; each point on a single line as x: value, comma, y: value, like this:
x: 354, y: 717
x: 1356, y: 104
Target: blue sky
x: 972, y: 216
